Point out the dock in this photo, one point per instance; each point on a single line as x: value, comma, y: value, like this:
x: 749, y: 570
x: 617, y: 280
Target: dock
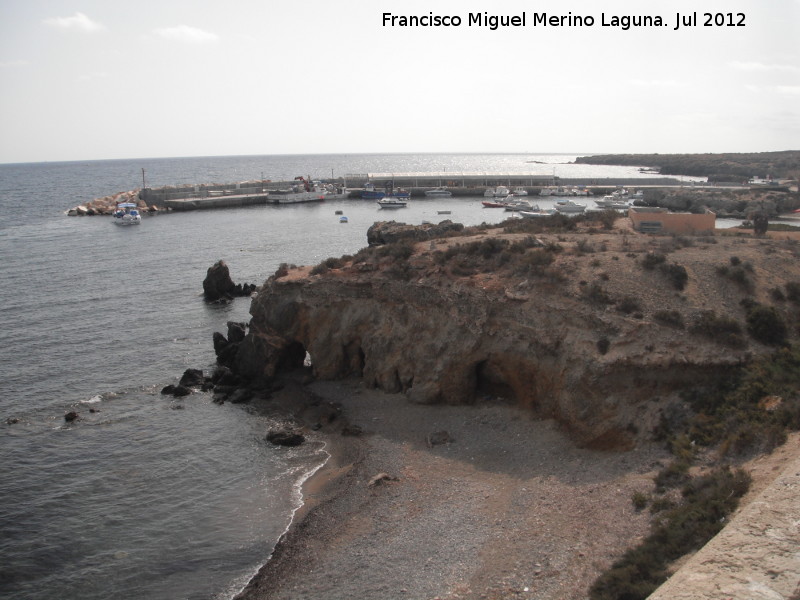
x: 255, y: 193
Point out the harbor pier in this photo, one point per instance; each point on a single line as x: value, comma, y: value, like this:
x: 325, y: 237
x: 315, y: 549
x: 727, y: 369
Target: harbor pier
x: 251, y: 193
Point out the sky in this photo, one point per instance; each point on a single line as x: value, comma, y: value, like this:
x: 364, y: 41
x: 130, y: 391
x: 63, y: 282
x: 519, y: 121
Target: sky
x: 106, y: 79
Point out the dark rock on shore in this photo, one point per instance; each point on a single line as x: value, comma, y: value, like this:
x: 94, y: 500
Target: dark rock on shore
x: 71, y: 416
x: 439, y: 438
x: 286, y: 437
x: 226, y: 349
x: 192, y: 378
x: 176, y: 390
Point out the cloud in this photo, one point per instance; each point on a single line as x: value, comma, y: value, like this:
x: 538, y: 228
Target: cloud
x: 656, y: 83
x: 761, y: 67
x: 77, y: 22
x: 13, y: 64
x: 189, y: 35
x: 93, y: 76
x: 793, y: 90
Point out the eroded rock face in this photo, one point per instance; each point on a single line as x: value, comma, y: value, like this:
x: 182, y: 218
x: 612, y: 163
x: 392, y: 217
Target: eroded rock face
x: 445, y: 339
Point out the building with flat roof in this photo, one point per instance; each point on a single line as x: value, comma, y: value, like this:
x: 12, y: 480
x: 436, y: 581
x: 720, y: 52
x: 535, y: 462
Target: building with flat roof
x: 660, y: 220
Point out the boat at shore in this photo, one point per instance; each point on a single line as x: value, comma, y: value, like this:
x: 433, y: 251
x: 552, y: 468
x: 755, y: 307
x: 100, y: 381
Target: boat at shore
x: 126, y: 214
x: 535, y: 212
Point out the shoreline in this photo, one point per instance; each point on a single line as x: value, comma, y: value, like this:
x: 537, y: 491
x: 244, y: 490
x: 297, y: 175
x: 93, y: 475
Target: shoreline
x: 509, y: 508
x: 452, y: 525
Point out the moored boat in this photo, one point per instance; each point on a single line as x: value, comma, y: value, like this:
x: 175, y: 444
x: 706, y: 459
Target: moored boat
x: 299, y: 192
x: 370, y: 193
x: 570, y: 207
x: 439, y: 192
x: 536, y: 212
x: 392, y: 203
x: 494, y: 204
x: 126, y: 214
x: 612, y: 201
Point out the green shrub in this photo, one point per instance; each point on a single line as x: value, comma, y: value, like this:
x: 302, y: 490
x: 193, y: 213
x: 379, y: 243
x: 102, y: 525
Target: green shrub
x: 282, y: 271
x: 766, y: 325
x: 596, y: 294
x: 652, y: 259
x: 676, y: 274
x: 707, y: 501
x: 793, y: 291
x: 534, y: 262
x: 326, y: 265
x: 740, y: 274
x: 629, y: 304
x: 399, y: 250
x: 723, y: 330
x: 639, y: 500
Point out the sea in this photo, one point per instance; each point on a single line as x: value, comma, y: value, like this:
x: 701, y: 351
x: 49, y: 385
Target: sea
x: 145, y: 496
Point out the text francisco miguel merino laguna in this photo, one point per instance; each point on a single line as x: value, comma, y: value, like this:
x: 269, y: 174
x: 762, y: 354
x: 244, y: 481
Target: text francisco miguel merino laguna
x: 493, y: 22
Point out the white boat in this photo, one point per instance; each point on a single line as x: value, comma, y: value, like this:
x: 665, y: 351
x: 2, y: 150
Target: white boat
x: 333, y: 192
x: 513, y: 203
x: 391, y: 203
x: 501, y: 191
x: 536, y: 212
x: 126, y: 214
x: 520, y: 191
x: 554, y: 190
x: 439, y: 192
x: 342, y: 219
x: 612, y: 201
x: 570, y: 207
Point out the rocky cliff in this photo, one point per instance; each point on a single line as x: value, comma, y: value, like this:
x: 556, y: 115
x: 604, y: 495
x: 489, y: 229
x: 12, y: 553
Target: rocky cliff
x: 597, y: 329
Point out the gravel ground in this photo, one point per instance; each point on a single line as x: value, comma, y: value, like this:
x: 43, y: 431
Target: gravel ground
x: 509, y: 508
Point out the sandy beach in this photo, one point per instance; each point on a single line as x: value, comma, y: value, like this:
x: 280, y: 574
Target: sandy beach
x: 508, y: 508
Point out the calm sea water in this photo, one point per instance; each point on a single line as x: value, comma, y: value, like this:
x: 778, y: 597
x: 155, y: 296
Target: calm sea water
x: 139, y: 499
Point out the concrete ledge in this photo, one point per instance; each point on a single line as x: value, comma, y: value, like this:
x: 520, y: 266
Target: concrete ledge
x: 756, y: 556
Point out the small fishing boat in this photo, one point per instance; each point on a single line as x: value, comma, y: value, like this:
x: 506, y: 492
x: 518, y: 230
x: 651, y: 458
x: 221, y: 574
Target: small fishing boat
x: 126, y: 214
x: 391, y: 203
x: 370, y: 193
x: 494, y: 203
x: 343, y: 219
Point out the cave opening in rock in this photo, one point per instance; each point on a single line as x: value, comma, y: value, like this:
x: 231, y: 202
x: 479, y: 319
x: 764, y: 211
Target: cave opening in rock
x: 491, y: 381
x: 295, y: 356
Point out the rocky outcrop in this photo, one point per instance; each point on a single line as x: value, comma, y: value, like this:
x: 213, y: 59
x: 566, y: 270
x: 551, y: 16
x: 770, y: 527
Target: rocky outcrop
x: 388, y: 232
x: 218, y: 285
x: 557, y: 341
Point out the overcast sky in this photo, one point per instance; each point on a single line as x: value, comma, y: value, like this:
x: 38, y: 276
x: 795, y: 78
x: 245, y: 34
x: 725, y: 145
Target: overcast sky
x: 97, y: 79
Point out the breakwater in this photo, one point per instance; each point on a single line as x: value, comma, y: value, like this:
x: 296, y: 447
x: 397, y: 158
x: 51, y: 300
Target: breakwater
x: 248, y: 193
